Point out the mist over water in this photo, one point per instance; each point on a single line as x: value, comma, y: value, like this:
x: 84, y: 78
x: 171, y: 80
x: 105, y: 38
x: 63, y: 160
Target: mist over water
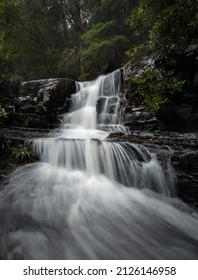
x: 89, y: 198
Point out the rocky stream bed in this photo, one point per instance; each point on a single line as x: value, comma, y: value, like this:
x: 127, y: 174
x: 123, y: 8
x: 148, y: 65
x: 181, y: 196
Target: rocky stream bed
x: 181, y: 148
x: 38, y: 106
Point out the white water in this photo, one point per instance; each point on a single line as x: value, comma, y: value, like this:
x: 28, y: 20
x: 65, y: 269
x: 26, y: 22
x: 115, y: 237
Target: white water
x: 89, y: 198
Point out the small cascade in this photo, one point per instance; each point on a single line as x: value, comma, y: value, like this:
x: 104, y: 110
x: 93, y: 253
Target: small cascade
x: 108, y: 104
x: 96, y: 105
x: 81, y: 146
x: 89, y: 198
x: 128, y: 164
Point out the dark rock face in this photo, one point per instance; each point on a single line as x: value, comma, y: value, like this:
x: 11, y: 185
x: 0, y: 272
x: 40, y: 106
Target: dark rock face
x: 39, y: 103
x: 100, y: 104
x: 182, y: 148
x: 132, y: 97
x: 8, y: 93
x: 135, y: 116
x: 185, y: 164
x: 181, y: 117
x: 183, y: 113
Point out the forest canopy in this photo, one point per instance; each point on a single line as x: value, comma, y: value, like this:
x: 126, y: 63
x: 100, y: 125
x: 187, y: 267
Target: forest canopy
x: 80, y: 39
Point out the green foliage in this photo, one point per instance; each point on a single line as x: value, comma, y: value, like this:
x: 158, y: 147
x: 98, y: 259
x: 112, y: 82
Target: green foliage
x: 12, y: 150
x: 101, y: 45
x: 116, y: 10
x: 68, y: 64
x: 98, y: 30
x: 156, y: 85
x: 4, y: 143
x: 174, y: 28
x: 3, y: 112
x: 166, y: 27
x: 22, y: 155
x: 34, y: 34
x: 137, y: 52
x: 41, y: 39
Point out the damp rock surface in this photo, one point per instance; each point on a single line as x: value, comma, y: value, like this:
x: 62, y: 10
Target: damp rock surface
x: 184, y: 156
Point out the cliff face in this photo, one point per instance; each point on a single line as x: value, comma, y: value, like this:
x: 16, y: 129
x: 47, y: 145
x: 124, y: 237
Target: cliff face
x: 38, y: 103
x: 181, y: 113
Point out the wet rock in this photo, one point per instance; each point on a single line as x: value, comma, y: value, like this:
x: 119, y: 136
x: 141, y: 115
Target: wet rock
x: 181, y: 117
x: 100, y: 104
x: 138, y: 118
x: 36, y: 103
x: 183, y: 151
x: 40, y: 110
x: 44, y: 100
x: 185, y: 164
x: 182, y: 113
x: 29, y: 109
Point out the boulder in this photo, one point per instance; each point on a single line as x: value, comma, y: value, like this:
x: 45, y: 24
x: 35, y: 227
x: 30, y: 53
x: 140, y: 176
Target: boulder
x: 45, y: 100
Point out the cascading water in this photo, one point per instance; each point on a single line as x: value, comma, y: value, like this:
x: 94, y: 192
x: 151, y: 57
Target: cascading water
x: 89, y: 198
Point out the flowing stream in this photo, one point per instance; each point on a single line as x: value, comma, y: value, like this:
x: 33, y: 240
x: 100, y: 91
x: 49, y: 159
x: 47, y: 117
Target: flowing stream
x: 89, y: 198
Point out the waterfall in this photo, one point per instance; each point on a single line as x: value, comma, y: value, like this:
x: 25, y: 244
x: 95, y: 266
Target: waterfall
x: 90, y: 198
